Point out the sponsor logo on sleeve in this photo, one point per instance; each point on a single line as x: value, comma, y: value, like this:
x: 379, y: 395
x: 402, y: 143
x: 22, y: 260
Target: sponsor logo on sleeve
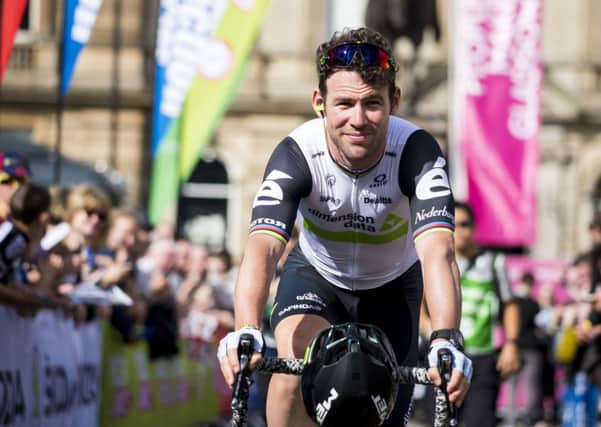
x: 434, y: 183
x: 268, y: 221
x: 424, y: 215
x: 270, y: 193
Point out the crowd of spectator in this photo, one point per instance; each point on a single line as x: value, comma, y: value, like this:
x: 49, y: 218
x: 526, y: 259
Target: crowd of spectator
x: 69, y: 249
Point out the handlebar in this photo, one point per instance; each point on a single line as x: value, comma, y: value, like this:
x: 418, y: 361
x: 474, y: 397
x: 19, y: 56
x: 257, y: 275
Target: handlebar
x: 445, y: 411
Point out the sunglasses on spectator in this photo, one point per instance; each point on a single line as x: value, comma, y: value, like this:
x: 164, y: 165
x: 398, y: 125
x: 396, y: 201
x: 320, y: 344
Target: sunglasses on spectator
x: 13, y: 180
x: 343, y: 55
x: 98, y: 212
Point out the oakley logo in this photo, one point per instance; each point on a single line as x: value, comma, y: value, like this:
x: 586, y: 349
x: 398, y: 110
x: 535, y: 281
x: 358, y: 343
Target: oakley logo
x: 324, y: 407
x: 379, y: 181
x: 434, y: 183
x: 270, y: 193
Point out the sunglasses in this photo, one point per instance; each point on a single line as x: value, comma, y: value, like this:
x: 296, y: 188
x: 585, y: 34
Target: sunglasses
x: 371, y: 56
x: 102, y: 215
x: 13, y: 180
x: 464, y: 224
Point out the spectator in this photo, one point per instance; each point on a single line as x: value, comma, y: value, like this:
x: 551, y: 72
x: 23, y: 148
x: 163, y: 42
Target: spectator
x: 195, y: 274
x: 20, y: 238
x: 88, y: 215
x: 122, y: 242
x: 222, y: 276
x: 487, y: 302
x: 14, y: 170
x: 156, y: 280
x: 533, y: 348
x: 595, y: 235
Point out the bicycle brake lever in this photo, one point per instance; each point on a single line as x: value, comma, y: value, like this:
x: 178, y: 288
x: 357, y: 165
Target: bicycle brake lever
x: 245, y: 347
x: 445, y: 367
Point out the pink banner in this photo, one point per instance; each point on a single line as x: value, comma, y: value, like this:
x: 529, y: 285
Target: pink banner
x: 498, y: 76
x: 549, y: 276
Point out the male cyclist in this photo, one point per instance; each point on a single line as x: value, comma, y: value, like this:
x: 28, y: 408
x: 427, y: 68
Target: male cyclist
x: 375, y: 211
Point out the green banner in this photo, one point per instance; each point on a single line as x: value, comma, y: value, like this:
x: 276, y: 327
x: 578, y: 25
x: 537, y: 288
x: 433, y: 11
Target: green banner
x: 178, y: 392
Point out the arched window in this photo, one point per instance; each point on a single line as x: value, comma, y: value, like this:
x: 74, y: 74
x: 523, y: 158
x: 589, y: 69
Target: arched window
x: 202, y: 208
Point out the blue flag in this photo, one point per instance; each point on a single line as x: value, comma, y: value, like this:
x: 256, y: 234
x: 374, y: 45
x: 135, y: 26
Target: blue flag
x: 80, y: 16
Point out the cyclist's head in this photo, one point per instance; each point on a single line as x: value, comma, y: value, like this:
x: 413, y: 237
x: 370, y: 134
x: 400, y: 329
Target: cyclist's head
x: 362, y: 50
x: 350, y: 377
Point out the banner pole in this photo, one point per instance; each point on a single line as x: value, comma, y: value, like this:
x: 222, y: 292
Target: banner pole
x: 116, y: 83
x: 56, y: 161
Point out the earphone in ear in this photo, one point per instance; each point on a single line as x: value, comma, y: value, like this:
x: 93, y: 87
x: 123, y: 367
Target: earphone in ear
x: 319, y: 108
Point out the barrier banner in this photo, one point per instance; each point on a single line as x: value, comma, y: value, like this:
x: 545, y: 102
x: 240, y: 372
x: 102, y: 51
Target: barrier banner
x: 49, y: 370
x: 177, y: 392
x: 79, y: 19
x: 202, y: 47
x: 497, y: 78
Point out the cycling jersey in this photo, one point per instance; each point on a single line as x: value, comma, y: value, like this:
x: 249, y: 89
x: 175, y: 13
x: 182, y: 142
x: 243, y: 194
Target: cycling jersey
x: 356, y: 229
x: 485, y: 289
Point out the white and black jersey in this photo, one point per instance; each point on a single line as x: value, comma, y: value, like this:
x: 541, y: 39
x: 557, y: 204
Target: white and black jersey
x: 357, y: 230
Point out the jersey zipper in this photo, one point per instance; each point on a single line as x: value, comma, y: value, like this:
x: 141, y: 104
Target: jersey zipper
x: 355, y: 233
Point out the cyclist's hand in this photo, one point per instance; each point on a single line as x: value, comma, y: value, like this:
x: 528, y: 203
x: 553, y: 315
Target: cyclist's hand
x: 459, y: 384
x: 227, y: 353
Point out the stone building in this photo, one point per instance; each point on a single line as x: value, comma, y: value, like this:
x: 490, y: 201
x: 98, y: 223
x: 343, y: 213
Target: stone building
x: 106, y: 126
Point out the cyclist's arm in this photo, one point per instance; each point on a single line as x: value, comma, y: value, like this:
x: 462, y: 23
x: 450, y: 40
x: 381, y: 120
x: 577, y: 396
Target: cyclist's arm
x: 286, y: 180
x: 256, y: 272
x: 441, y: 279
x: 423, y: 179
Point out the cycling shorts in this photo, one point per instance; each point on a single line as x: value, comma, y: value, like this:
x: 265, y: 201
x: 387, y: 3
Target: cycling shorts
x: 393, y: 307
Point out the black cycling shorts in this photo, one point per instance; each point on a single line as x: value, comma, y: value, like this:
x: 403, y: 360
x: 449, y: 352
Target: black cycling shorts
x: 393, y: 307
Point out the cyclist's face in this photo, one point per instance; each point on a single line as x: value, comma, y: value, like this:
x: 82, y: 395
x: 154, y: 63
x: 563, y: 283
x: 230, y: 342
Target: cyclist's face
x: 357, y: 117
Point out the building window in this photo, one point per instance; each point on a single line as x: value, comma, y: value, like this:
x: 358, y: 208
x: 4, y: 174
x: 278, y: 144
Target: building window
x: 29, y: 28
x: 203, y: 205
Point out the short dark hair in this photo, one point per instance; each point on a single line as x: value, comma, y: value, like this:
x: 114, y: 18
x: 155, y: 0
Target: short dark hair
x: 467, y: 208
x: 528, y: 278
x: 372, y: 75
x: 28, y: 202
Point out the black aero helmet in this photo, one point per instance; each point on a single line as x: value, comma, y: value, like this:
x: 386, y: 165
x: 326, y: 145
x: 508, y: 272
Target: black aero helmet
x: 350, y: 376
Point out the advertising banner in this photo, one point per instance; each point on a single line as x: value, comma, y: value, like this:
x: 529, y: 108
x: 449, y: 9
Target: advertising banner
x: 496, y: 91
x: 12, y: 13
x: 49, y: 370
x: 202, y: 47
x: 137, y: 392
x: 80, y: 16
